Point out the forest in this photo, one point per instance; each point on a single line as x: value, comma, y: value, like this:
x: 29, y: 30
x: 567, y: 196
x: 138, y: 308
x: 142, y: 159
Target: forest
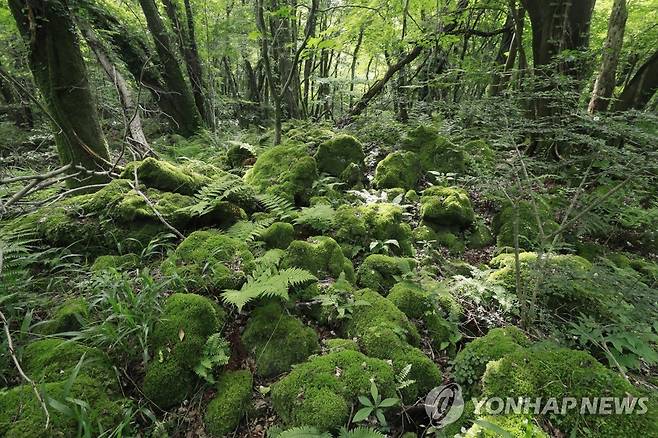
x: 329, y: 218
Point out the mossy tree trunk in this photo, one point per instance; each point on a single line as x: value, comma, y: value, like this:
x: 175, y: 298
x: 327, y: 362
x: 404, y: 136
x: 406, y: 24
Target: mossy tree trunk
x: 61, y: 75
x: 184, y: 108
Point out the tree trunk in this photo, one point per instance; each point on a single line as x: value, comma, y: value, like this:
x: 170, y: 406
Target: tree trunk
x: 19, y: 111
x: 187, y: 114
x: 60, y: 73
x: 605, y: 81
x: 641, y: 88
x: 131, y: 112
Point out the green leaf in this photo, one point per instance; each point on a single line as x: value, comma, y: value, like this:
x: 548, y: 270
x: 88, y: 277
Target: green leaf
x: 388, y: 402
x: 365, y: 401
x: 362, y: 414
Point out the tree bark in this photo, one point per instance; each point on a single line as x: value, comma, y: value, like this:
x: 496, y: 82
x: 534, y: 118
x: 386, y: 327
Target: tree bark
x: 18, y: 110
x: 187, y: 114
x: 605, y: 81
x: 61, y: 75
x: 641, y: 88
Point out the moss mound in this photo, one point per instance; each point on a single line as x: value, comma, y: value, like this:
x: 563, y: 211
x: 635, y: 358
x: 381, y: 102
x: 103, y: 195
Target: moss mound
x: 562, y: 373
x: 121, y: 262
x: 68, y: 317
x: 319, y: 255
x: 336, y: 154
x: 277, y: 341
x: 164, y: 176
x: 285, y: 170
x: 278, y: 235
x: 529, y: 235
x: 471, y: 362
x: 398, y: 169
x: 436, y: 153
x: 321, y: 392
x: 210, y: 261
x: 378, y: 271
x: 446, y: 206
x: 361, y: 225
x: 178, y: 340
x: 225, y: 411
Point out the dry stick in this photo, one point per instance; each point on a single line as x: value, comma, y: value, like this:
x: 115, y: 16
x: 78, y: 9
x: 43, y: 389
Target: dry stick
x: 25, y: 190
x: 38, y: 177
x: 12, y: 354
x: 135, y: 187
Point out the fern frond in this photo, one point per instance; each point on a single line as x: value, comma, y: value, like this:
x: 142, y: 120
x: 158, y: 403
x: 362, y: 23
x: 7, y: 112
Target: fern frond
x: 301, y: 432
x: 248, y: 231
x: 360, y: 432
x: 319, y: 217
x: 278, y: 205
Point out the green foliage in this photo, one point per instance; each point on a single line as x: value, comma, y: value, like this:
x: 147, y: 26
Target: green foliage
x: 225, y: 188
x: 216, y: 353
x: 381, y: 272
x: 225, y: 411
x: 319, y: 218
x: 164, y: 176
x: 398, y: 169
x: 319, y: 255
x: 374, y: 407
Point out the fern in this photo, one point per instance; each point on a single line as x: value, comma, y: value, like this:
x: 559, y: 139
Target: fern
x: 270, y: 283
x: 298, y: 432
x: 360, y: 432
x: 277, y: 205
x: 248, y: 231
x: 228, y: 187
x: 16, y: 256
x: 320, y: 217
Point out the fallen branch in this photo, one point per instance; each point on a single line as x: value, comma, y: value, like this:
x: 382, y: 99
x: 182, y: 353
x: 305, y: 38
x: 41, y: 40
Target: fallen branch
x: 135, y: 187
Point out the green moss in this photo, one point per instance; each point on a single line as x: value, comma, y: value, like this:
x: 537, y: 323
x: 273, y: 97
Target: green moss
x: 411, y: 299
x: 480, y: 157
x: 384, y: 342
x: 178, y: 340
x: 352, y: 176
x: 423, y: 233
x: 480, y: 236
x: 278, y: 235
x: 277, y: 341
x: 446, y: 206
x: 366, y: 223
x: 321, y: 392
x: 450, y: 241
x: 210, y: 261
x: 334, y: 155
x: 310, y: 135
x: 225, y: 411
x: 517, y: 426
x: 286, y: 170
x: 122, y: 262
x: 436, y: 153
x: 379, y: 313
x: 471, y: 362
x: 238, y: 154
x: 529, y: 235
x: 419, y: 138
x: 69, y: 317
x: 398, y: 169
x: 338, y: 344
x: 321, y: 256
x: 165, y: 176
x: 411, y: 196
x: 562, y: 373
x: 378, y: 271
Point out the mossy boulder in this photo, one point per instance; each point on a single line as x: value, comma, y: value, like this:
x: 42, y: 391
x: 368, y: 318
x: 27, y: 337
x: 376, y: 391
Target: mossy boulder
x: 164, y: 176
x: 338, y: 344
x: 238, y: 154
x: 436, y: 153
x: 479, y: 236
x: 321, y: 392
x: 378, y: 272
x: 50, y: 363
x: 361, y: 225
x: 277, y: 341
x: 178, y: 340
x: 336, y: 154
x: 68, y: 317
x: 515, y: 425
x: 528, y: 230
x: 225, y: 411
x: 451, y: 241
x: 319, y: 255
x: 411, y: 299
x: 208, y: 261
x: 562, y: 373
x: 286, y: 170
x: 446, y: 207
x: 278, y: 235
x: 470, y: 363
x: 398, y: 169
x: 118, y: 262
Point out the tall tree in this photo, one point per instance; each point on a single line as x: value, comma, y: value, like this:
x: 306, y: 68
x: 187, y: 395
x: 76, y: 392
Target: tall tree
x: 187, y: 114
x: 641, y: 88
x: 605, y: 81
x: 60, y: 73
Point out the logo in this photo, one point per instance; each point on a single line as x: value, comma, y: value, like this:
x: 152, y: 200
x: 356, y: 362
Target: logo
x: 444, y: 405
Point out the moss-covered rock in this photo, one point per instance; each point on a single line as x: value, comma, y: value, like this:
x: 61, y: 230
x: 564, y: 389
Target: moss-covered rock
x: 352, y: 176
x: 277, y: 341
x: 164, y: 176
x: 516, y: 426
x: 378, y: 271
x: 238, y: 154
x: 319, y: 255
x: 225, y: 411
x: 480, y: 235
x: 398, y: 169
x: 564, y: 373
x: 322, y: 391
x: 411, y: 299
x: 471, y: 362
x: 451, y: 241
x: 68, y: 317
x: 338, y: 344
x: 210, y: 261
x: 51, y: 362
x: 436, y: 153
x: 120, y: 262
x: 361, y: 225
x: 446, y: 206
x: 278, y: 235
x: 178, y: 340
x: 286, y: 170
x: 334, y: 155
x: 529, y: 234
